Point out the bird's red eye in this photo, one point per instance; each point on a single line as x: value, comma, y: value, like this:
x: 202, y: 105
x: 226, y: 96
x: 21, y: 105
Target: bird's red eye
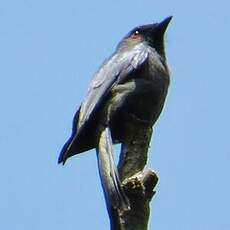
x: 136, y: 34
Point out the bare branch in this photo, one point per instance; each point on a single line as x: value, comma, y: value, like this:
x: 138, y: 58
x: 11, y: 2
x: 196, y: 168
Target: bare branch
x: 138, y: 183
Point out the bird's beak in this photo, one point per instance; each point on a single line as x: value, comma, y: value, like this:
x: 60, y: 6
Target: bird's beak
x: 162, y: 26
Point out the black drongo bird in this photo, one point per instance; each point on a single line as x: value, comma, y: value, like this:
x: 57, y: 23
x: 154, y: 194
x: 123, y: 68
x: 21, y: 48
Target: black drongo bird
x: 132, y: 82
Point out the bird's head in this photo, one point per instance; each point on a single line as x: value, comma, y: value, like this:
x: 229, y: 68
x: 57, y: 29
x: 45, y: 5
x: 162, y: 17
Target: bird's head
x: 152, y: 34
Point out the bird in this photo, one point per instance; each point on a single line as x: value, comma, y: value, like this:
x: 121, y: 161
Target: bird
x: 132, y: 82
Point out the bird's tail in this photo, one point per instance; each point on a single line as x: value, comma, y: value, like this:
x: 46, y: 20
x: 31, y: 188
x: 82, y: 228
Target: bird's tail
x: 111, y: 184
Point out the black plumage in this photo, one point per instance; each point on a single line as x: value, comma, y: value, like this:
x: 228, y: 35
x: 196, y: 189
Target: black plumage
x: 132, y: 82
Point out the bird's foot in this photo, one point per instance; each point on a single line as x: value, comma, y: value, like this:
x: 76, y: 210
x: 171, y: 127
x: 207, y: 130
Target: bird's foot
x: 134, y: 118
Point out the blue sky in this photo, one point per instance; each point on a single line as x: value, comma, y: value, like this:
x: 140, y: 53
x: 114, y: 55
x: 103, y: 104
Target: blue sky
x: 49, y: 51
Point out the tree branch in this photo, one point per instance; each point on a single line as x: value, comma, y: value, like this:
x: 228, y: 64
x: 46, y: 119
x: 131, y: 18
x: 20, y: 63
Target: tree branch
x: 138, y: 183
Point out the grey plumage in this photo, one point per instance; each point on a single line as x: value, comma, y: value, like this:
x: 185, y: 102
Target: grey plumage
x: 132, y: 82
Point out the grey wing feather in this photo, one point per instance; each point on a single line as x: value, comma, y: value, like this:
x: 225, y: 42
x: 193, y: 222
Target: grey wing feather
x: 113, y: 71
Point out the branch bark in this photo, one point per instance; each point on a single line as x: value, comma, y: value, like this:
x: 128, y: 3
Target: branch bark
x: 137, y: 183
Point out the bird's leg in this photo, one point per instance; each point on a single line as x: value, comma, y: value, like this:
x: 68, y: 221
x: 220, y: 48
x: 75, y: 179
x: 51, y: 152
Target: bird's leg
x: 114, y: 194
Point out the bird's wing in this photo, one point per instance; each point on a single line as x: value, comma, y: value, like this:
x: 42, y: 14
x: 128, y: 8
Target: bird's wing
x: 115, y: 70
